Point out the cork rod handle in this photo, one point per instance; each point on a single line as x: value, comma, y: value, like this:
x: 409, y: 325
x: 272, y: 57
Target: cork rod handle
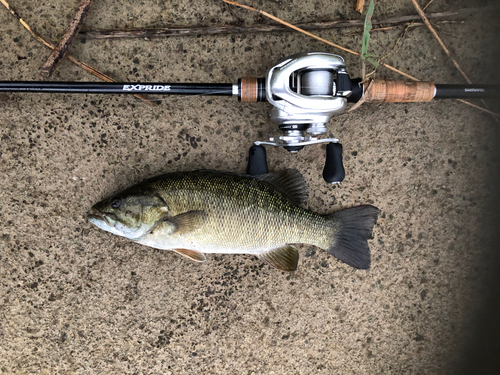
x: 377, y: 91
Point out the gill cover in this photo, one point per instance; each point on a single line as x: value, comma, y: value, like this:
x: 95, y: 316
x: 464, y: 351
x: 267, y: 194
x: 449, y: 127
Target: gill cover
x: 129, y: 214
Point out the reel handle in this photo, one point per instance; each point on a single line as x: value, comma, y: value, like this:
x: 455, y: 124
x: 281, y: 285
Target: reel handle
x: 333, y: 171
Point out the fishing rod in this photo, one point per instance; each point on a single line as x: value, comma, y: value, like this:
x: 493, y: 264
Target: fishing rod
x: 305, y: 90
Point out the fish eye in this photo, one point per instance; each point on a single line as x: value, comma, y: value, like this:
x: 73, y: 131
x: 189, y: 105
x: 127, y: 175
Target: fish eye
x: 116, y: 203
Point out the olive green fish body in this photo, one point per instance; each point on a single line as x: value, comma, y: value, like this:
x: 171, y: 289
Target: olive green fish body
x: 215, y: 212
x: 243, y: 215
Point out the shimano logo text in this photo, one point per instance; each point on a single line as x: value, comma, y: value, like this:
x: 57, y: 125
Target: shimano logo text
x: 146, y: 87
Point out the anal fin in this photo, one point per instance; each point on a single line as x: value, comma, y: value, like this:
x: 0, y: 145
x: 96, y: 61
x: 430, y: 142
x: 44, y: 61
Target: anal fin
x: 283, y: 258
x: 192, y: 254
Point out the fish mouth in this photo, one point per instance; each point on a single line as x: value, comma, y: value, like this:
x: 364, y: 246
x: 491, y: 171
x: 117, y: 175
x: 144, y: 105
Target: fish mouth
x: 98, y: 217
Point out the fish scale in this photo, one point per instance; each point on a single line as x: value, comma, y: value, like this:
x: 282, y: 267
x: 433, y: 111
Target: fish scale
x: 270, y: 219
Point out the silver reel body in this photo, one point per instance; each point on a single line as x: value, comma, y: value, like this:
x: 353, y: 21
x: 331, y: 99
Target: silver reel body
x: 306, y: 90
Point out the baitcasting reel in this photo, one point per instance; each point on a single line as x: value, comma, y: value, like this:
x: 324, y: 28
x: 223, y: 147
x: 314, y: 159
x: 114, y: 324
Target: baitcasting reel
x: 306, y: 90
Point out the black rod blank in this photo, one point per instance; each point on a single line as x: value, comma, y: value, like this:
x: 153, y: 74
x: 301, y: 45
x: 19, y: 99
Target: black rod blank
x: 223, y: 89
x: 467, y: 91
x: 443, y: 91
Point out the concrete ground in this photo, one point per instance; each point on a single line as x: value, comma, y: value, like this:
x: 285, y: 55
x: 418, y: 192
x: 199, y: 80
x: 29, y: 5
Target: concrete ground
x: 75, y: 299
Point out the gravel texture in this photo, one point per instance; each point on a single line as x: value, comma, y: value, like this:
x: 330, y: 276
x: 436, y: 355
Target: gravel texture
x: 77, y: 300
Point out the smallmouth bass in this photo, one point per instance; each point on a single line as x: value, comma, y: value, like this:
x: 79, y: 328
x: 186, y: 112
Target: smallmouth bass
x: 193, y: 213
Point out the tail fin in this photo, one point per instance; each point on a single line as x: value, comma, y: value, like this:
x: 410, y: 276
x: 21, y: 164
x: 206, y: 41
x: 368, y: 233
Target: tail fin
x: 353, y: 229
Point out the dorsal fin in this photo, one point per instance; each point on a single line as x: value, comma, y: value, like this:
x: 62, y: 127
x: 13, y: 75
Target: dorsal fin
x: 289, y: 182
x: 283, y: 258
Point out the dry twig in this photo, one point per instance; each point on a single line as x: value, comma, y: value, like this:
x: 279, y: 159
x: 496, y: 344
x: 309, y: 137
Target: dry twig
x: 478, y: 107
x: 233, y: 29
x: 82, y: 65
x: 429, y: 26
x: 431, y: 29
x: 360, y: 4
x: 312, y: 35
x: 58, y: 53
x: 407, y: 24
x: 274, y: 18
x: 412, y: 23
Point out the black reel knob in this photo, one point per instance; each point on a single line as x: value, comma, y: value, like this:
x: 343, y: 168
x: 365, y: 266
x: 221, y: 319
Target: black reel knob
x: 333, y: 172
x: 257, y: 161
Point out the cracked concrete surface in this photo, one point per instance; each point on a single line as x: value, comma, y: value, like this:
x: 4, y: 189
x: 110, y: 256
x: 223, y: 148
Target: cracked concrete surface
x: 74, y: 299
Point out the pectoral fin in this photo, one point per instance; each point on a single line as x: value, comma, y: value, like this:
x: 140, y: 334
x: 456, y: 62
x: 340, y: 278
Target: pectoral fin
x: 187, y: 221
x: 192, y: 254
x: 283, y: 258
